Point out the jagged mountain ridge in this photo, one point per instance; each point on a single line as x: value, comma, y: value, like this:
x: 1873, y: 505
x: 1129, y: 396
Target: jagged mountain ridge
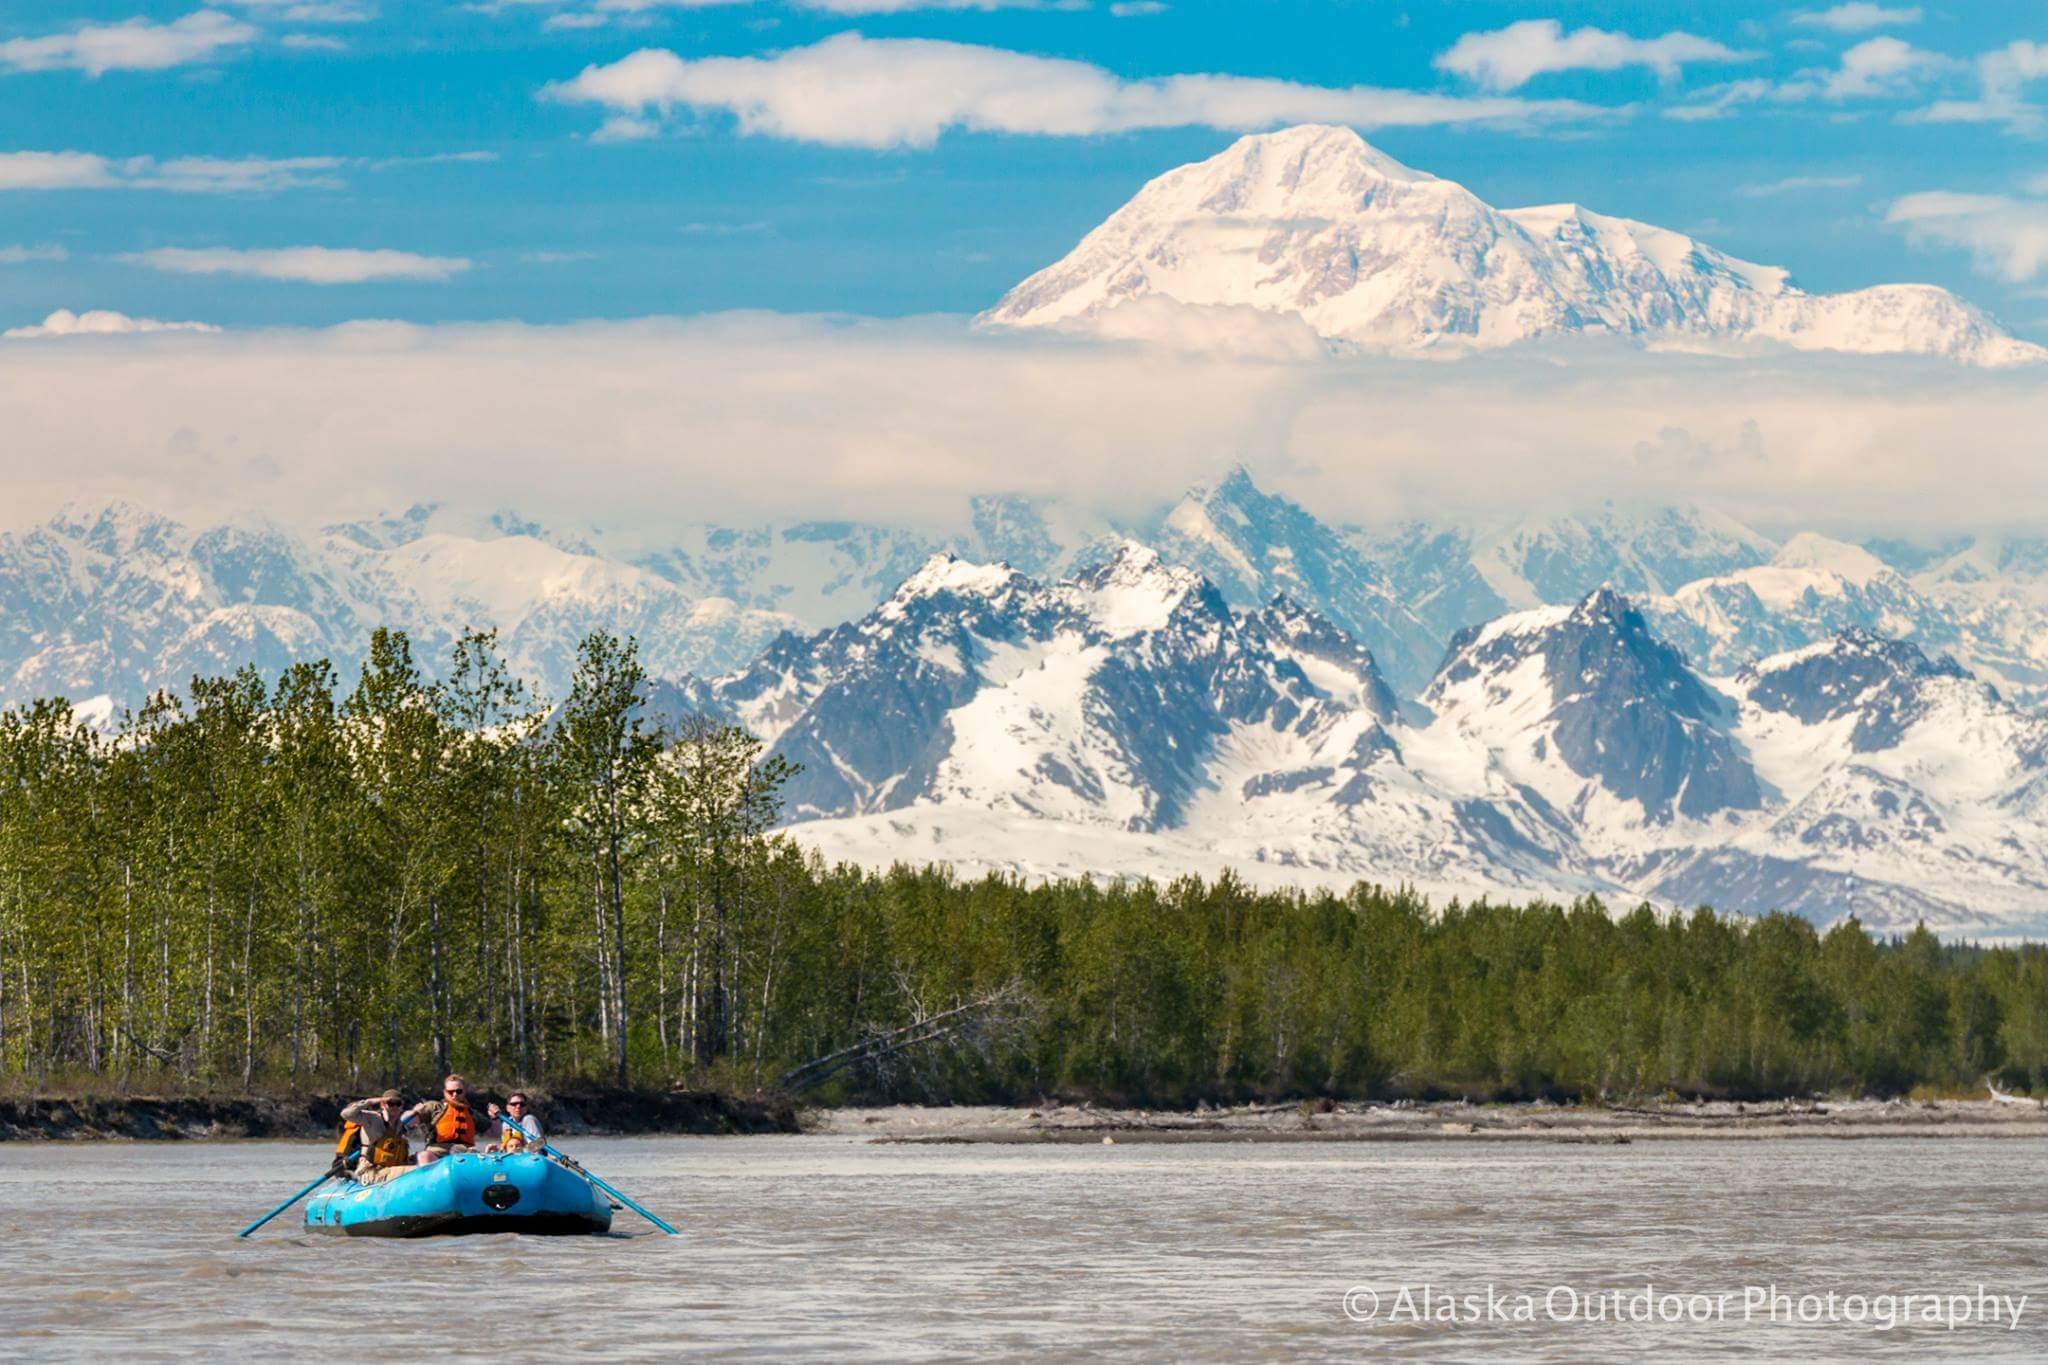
x: 117, y: 601
x: 1313, y: 222
x: 114, y: 600
x: 1031, y: 728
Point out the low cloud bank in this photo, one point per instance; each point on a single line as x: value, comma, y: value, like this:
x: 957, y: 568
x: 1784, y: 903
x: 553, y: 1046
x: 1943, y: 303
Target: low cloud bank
x: 643, y: 425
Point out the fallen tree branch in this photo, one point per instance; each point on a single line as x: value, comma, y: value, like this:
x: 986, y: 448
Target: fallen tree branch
x: 944, y: 1026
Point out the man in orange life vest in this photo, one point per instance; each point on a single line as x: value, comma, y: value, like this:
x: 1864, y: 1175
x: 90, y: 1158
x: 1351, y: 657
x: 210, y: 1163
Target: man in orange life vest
x: 450, y: 1123
x: 371, y: 1137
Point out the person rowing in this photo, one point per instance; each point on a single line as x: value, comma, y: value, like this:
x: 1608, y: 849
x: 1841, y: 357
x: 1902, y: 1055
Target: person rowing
x: 517, y: 1127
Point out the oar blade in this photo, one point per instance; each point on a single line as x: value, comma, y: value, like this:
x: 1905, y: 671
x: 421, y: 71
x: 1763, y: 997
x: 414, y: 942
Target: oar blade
x: 316, y: 1183
x: 615, y: 1193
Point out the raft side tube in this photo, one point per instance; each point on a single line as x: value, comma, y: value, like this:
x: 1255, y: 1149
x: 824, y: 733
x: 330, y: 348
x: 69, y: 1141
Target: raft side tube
x: 469, y: 1192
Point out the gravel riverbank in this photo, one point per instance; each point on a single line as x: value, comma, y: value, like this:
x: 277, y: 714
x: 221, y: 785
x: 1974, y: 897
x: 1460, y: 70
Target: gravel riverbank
x: 1437, y: 1122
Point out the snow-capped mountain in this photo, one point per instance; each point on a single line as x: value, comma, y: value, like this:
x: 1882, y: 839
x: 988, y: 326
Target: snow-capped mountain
x: 1129, y: 720
x: 1254, y: 546
x: 1456, y: 576
x: 1312, y: 222
x: 1007, y: 722
x: 1587, y: 709
x: 1902, y: 787
x: 117, y: 601
x: 1811, y: 589
x: 1094, y: 697
x: 1815, y: 587
x: 109, y: 599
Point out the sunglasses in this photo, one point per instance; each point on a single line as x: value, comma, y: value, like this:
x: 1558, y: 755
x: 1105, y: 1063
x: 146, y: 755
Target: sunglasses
x: 455, y: 1090
x: 515, y: 1104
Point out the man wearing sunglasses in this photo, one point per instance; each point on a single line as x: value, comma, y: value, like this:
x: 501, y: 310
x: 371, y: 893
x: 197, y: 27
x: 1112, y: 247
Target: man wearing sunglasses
x: 450, y: 1122
x: 517, y: 1128
x: 371, y: 1136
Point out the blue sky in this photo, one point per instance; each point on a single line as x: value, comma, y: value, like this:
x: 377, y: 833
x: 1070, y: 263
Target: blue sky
x: 464, y: 148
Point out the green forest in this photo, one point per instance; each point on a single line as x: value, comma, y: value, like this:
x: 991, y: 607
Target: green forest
x: 321, y: 884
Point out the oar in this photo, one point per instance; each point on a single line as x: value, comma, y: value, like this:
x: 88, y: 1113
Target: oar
x: 318, y: 1181
x: 577, y: 1167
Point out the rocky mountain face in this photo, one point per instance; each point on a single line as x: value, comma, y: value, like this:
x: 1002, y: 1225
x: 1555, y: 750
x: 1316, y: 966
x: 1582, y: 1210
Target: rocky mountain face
x: 1097, y: 697
x: 1130, y: 719
x: 1588, y: 691
x: 115, y: 600
x: 1254, y: 546
x: 1313, y: 222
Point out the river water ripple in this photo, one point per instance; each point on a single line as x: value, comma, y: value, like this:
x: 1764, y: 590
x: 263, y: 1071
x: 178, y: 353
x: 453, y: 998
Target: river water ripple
x: 830, y: 1246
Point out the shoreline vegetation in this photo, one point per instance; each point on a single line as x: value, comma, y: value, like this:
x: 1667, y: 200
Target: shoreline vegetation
x: 294, y: 889
x: 678, y: 1113
x: 569, y: 1112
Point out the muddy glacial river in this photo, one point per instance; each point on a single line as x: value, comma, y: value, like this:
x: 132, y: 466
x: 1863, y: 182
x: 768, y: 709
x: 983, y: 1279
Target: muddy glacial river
x: 837, y: 1247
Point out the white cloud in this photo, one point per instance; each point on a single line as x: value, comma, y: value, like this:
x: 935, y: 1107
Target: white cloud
x: 310, y: 11
x: 601, y: 12
x: 841, y: 7
x: 184, y: 174
x: 1508, y: 58
x: 740, y: 416
x: 55, y: 171
x: 23, y: 255
x: 303, y: 264
x: 626, y: 128
x: 1882, y: 66
x: 313, y: 42
x: 859, y: 92
x: 133, y: 45
x: 1858, y: 17
x: 2005, y: 237
x: 1792, y: 183
x: 99, y: 322
x: 1719, y: 101
x: 854, y: 7
x: 198, y: 174
x: 1129, y: 9
x: 2002, y: 75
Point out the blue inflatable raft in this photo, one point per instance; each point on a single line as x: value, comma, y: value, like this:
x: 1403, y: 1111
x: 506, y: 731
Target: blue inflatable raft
x: 465, y: 1193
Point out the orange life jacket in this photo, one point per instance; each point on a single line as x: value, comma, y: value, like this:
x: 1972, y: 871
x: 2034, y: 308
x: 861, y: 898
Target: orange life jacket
x: 511, y: 1137
x: 455, y: 1126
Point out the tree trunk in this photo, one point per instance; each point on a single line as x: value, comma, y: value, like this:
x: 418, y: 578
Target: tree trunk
x: 437, y: 985
x: 249, y: 994
x: 618, y: 926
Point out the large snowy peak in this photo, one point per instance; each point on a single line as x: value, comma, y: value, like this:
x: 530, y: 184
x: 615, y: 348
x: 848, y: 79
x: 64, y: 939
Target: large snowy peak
x: 1597, y: 713
x: 1255, y: 545
x: 1313, y: 222
x: 1101, y: 698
